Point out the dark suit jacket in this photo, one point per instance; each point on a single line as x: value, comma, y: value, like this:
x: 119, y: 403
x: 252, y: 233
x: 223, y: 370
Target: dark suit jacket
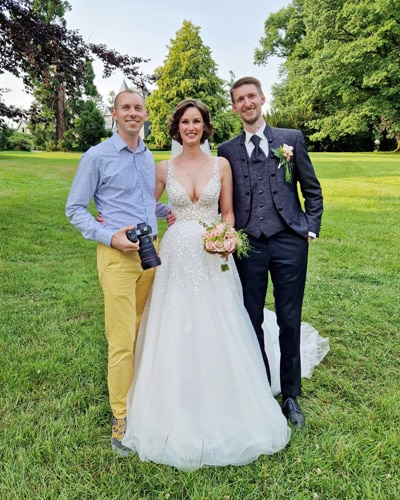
x: 285, y: 196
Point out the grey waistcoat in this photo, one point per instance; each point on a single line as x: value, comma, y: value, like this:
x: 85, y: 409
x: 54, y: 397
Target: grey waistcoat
x: 264, y: 217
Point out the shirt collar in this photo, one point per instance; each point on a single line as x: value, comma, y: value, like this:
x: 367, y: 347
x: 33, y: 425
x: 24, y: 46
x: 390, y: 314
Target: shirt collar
x: 120, y: 144
x: 260, y: 133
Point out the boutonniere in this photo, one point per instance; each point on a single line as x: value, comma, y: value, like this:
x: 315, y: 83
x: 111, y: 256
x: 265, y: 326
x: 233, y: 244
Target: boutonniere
x: 284, y: 154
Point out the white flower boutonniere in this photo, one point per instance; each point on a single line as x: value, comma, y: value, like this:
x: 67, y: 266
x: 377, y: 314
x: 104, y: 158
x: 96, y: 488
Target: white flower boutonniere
x: 284, y: 154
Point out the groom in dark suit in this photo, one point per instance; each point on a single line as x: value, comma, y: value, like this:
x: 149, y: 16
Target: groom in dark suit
x: 268, y: 165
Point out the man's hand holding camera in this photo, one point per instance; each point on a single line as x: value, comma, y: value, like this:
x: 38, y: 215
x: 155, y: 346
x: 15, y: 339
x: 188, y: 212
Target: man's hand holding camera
x: 130, y: 238
x: 119, y: 239
x: 121, y: 242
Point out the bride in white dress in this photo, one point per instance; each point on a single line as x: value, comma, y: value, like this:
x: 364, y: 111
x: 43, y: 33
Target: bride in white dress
x: 200, y: 394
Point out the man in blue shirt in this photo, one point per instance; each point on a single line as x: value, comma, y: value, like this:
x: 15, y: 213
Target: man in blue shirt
x: 119, y: 175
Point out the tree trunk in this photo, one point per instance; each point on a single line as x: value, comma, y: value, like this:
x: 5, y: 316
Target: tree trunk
x: 397, y: 137
x: 61, y: 127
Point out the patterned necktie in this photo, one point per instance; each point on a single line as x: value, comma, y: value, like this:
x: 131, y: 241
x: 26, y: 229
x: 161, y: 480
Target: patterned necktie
x: 258, y: 155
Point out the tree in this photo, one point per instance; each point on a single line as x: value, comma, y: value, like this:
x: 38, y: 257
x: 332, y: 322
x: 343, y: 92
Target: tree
x: 42, y: 117
x: 283, y: 33
x: 5, y: 134
x: 89, y: 126
x: 37, y: 47
x: 46, y: 107
x: 188, y: 72
x: 53, y: 12
x: 343, y: 65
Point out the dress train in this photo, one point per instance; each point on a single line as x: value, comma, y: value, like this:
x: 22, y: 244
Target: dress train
x: 313, y: 349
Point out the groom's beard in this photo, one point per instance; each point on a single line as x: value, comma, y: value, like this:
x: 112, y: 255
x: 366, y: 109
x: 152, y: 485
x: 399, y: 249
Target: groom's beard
x: 251, y: 121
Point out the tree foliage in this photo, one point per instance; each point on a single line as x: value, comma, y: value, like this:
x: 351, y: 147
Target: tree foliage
x: 283, y: 31
x: 36, y: 46
x: 88, y: 128
x: 342, y: 67
x: 5, y: 134
x: 188, y: 72
x: 45, y: 107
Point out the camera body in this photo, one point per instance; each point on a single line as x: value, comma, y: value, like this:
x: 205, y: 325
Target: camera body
x: 147, y: 252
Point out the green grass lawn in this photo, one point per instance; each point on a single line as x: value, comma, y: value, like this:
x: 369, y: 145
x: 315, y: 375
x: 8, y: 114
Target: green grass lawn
x: 55, y: 417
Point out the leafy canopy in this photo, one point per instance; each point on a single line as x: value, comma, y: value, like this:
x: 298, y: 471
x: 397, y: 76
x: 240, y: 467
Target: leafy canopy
x: 342, y: 67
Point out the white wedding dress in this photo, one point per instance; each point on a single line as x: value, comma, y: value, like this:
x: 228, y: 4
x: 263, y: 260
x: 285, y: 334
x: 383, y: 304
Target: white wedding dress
x: 200, y: 394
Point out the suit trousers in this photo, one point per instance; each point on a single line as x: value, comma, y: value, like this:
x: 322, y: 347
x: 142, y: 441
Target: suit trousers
x: 125, y: 287
x: 284, y: 256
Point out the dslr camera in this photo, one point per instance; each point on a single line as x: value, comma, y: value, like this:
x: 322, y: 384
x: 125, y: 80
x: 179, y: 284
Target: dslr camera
x: 147, y: 252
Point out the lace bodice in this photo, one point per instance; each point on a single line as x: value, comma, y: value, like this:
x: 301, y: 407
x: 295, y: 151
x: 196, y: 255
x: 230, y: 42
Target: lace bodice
x: 183, y: 257
x: 205, y: 209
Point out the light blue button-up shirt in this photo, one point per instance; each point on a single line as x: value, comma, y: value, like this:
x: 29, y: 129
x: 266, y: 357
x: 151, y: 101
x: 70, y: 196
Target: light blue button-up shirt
x: 121, y: 182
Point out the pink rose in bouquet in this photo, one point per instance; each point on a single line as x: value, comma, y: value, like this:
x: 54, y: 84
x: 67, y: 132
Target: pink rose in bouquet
x: 230, y: 245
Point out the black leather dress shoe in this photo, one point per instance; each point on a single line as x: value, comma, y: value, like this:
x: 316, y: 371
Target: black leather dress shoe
x: 292, y: 411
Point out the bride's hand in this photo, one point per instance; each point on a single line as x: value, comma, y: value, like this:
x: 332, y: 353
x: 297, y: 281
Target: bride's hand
x: 101, y: 219
x: 171, y: 218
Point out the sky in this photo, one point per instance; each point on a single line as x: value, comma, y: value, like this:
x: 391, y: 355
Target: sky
x: 230, y: 28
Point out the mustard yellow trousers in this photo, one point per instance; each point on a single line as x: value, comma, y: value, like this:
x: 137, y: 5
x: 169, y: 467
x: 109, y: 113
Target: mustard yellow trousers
x: 125, y: 287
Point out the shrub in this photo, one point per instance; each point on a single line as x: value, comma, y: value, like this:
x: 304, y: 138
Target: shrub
x: 21, y: 141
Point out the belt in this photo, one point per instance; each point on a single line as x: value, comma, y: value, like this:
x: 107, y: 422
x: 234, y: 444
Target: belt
x: 154, y: 237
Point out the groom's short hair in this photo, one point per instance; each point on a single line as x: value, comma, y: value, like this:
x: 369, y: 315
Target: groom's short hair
x: 245, y: 80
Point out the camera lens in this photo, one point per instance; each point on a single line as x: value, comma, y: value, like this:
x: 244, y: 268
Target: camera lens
x: 147, y: 253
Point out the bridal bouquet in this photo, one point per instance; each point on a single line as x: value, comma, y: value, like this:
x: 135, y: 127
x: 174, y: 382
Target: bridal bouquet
x: 221, y: 237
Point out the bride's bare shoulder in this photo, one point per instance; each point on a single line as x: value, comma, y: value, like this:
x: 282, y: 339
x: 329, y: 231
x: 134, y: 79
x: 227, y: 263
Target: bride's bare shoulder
x: 162, y: 170
x: 223, y: 163
x: 162, y: 165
